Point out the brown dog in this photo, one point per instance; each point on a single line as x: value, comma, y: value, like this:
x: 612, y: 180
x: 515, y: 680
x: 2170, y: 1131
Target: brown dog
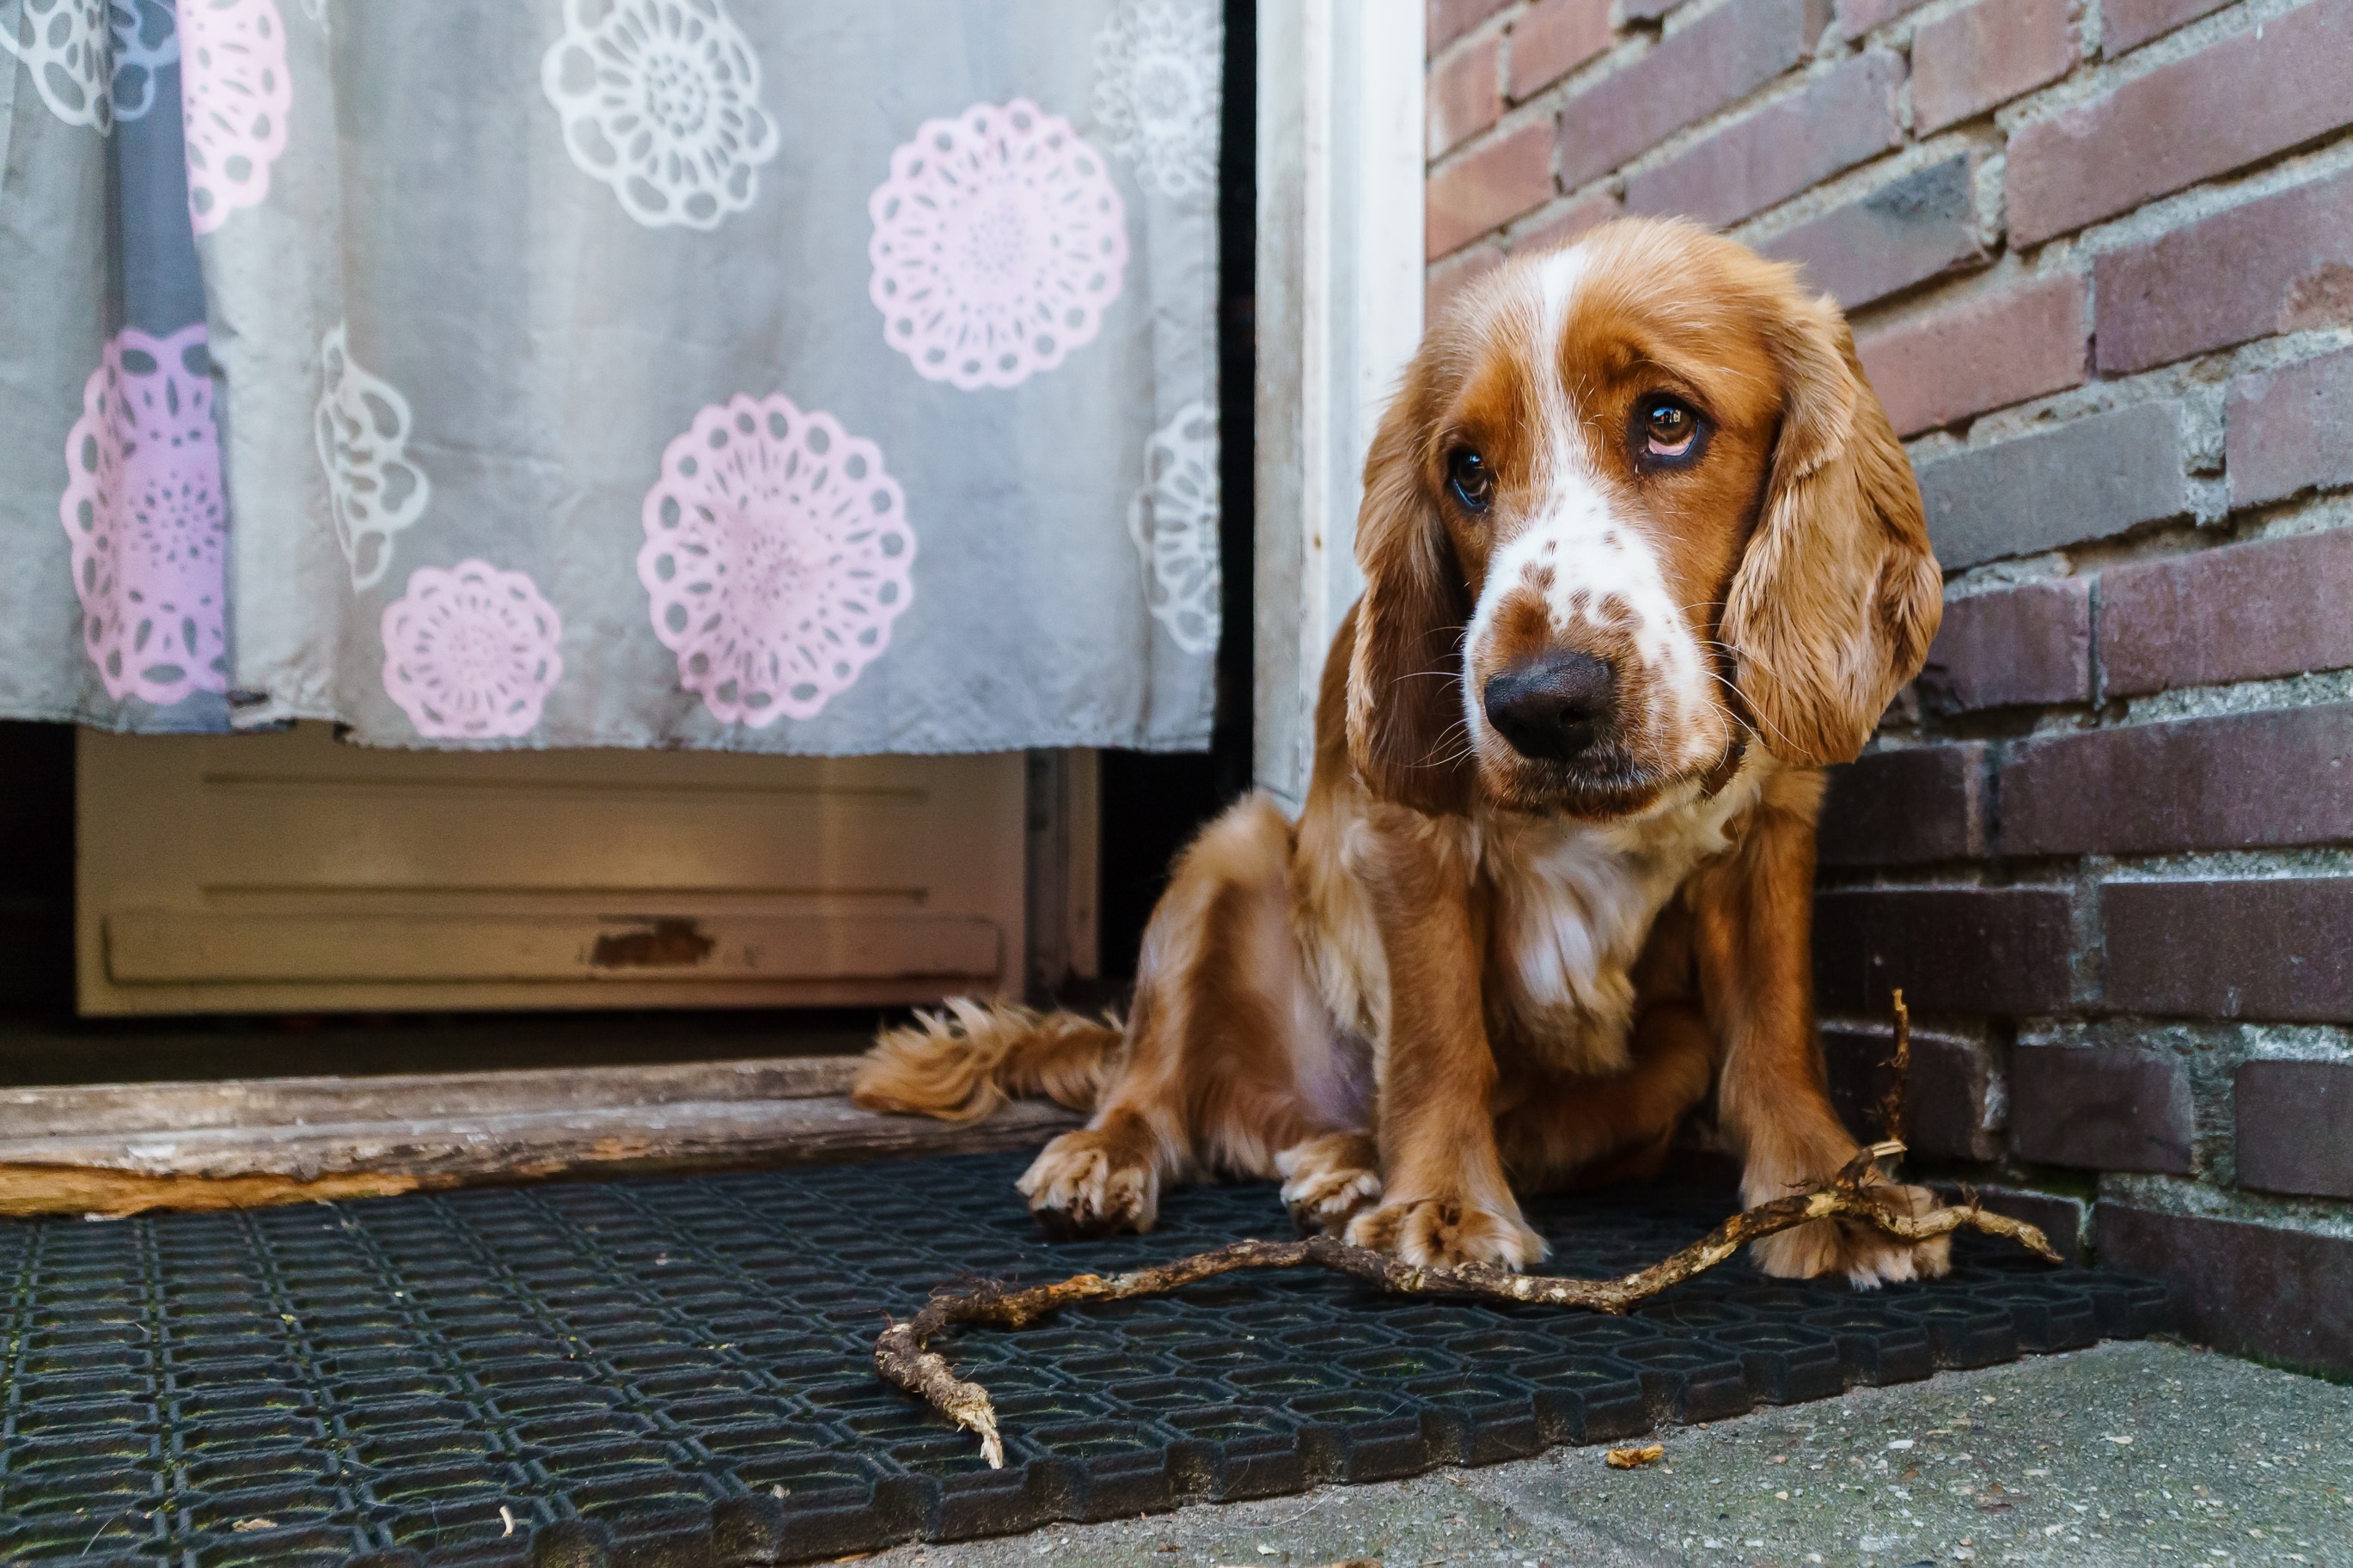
x: 1641, y: 554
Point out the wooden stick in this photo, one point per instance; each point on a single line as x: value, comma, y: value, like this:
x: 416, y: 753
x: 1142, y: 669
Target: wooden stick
x: 1891, y: 1109
x: 902, y: 1355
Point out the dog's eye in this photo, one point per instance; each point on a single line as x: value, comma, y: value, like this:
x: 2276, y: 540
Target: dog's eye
x: 1473, y: 482
x: 1669, y: 430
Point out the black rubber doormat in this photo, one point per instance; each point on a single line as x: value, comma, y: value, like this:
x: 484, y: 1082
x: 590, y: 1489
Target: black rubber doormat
x: 676, y: 1371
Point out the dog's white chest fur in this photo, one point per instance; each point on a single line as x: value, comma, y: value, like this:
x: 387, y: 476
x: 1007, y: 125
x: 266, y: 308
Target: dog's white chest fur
x: 1574, y: 902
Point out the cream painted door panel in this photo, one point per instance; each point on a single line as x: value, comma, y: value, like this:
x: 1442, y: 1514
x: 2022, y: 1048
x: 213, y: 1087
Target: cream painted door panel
x: 287, y: 872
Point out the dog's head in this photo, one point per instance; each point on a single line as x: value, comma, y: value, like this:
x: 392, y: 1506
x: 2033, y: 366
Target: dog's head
x: 1633, y: 508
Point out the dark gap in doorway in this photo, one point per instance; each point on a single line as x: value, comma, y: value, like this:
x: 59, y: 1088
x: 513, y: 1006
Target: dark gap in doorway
x: 1154, y: 803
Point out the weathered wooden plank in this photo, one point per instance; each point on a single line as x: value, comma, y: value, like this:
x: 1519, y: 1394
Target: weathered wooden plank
x: 56, y: 1110
x: 541, y: 1142
x: 226, y: 1167
x: 30, y: 1192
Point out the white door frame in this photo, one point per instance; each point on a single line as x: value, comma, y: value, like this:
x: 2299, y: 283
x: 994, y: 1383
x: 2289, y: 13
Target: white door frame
x: 1340, y: 170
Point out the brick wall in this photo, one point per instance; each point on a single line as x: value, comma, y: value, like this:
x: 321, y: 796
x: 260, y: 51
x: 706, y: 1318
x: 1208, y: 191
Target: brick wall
x: 2099, y: 259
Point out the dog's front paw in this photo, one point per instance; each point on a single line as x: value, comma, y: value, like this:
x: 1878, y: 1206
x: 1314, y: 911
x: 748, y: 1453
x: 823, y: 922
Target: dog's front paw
x: 1446, y: 1232
x: 1328, y: 1181
x: 1868, y: 1257
x: 1091, y: 1182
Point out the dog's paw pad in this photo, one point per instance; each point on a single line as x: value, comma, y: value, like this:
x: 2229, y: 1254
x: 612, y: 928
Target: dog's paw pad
x: 1327, y: 1200
x: 1328, y: 1181
x: 1445, y: 1233
x: 1868, y: 1257
x: 1080, y: 1185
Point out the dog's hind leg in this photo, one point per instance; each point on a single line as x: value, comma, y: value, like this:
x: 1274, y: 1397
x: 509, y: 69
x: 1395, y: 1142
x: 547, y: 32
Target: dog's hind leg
x: 1230, y: 1055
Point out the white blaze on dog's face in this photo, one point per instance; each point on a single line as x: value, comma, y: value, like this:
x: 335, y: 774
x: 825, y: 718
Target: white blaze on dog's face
x: 1609, y: 413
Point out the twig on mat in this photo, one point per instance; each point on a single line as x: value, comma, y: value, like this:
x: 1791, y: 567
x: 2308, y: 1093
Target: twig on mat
x: 1891, y: 1109
x: 902, y: 1358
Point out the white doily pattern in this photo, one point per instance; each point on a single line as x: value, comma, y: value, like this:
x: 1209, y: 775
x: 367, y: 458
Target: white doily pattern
x: 999, y: 242
x: 776, y: 557
x: 1159, y: 89
x: 1174, y: 521
x: 92, y: 61
x: 64, y: 45
x: 144, y: 511
x: 660, y: 100
x: 146, y: 39
x: 470, y: 654
x: 235, y: 96
x: 374, y: 488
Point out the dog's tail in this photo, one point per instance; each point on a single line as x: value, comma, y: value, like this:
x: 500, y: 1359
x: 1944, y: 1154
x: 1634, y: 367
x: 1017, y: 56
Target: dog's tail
x: 964, y: 1062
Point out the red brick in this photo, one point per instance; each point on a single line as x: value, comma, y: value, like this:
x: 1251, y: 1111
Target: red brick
x: 1552, y: 39
x: 2129, y: 24
x: 2243, y: 781
x: 2104, y: 1108
x: 2286, y: 430
x: 1450, y: 277
x: 1449, y: 19
x: 1980, y: 353
x: 2281, y: 263
x: 1944, y: 1093
x: 1909, y: 806
x: 1834, y: 123
x: 1953, y: 950
x: 1487, y: 189
x: 2256, y: 1289
x: 2292, y: 1120
x: 1687, y: 76
x: 1965, y: 63
x: 2285, y: 952
x: 1856, y: 17
x: 1463, y: 96
x: 2238, y: 99
x: 2245, y: 612
x: 2022, y: 645
x: 1586, y: 211
x: 1905, y: 232
x: 2066, y: 483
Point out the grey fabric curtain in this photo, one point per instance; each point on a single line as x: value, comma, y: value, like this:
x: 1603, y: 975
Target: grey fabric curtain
x: 827, y: 377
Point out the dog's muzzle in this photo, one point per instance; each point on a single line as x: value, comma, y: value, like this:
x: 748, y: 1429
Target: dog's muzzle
x: 1554, y: 707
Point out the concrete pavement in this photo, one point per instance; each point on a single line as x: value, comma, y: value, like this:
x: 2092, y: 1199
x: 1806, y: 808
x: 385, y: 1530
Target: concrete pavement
x: 2141, y: 1454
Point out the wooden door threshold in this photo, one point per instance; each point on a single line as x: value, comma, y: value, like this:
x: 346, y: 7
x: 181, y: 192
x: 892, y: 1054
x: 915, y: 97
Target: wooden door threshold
x: 109, y: 1149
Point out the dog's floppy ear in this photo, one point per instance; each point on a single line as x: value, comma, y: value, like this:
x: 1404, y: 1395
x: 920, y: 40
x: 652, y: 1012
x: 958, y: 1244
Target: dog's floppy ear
x: 1838, y: 597
x: 1406, y: 732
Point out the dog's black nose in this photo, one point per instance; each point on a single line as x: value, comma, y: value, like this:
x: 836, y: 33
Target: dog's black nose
x: 1553, y: 706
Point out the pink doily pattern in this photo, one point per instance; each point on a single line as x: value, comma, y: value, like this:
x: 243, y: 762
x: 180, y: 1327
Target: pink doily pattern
x: 144, y: 511
x: 776, y: 554
x: 235, y: 96
x: 470, y: 654
x: 1000, y: 240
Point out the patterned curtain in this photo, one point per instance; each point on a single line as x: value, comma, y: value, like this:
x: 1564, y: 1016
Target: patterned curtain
x: 833, y: 376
